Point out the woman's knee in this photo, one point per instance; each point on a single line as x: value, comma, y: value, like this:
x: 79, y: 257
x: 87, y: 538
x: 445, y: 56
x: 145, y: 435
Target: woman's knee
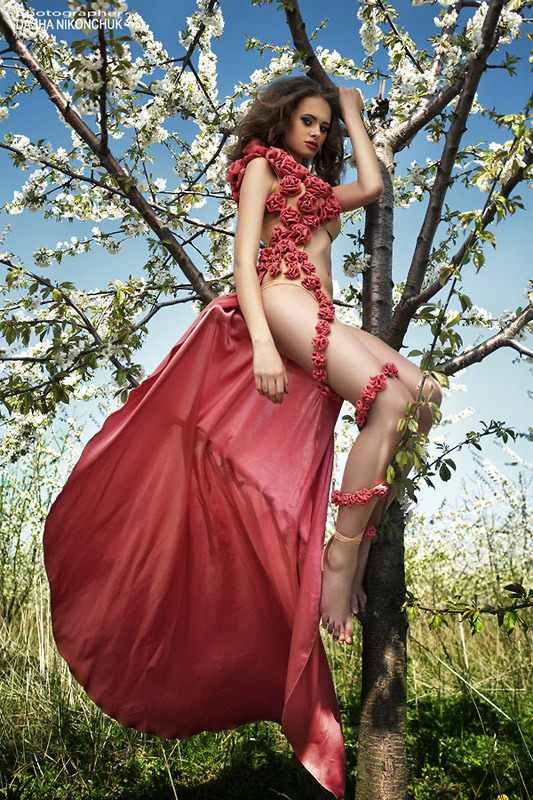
x: 393, y: 404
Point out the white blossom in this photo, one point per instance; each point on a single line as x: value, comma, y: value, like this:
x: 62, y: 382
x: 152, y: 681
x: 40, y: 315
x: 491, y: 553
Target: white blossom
x: 43, y: 257
x: 451, y: 420
x: 447, y: 20
x: 370, y: 31
x: 359, y: 266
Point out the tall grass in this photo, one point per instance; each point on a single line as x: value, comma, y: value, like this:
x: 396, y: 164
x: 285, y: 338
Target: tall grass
x: 470, y: 712
x: 470, y: 699
x: 55, y: 743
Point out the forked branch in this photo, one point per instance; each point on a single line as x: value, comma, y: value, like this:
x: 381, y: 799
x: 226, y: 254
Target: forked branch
x: 420, y: 260
x: 405, y: 312
x: 301, y: 42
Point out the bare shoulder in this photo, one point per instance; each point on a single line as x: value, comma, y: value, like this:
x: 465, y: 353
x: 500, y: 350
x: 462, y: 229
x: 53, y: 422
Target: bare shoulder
x: 261, y: 173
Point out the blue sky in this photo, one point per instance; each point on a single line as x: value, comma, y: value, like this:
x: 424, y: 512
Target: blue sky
x: 497, y: 388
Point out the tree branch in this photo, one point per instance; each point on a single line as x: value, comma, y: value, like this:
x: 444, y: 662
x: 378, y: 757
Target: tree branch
x: 102, y: 98
x: 192, y: 47
x: 419, y: 262
x: 522, y: 349
x: 87, y: 324
x: 404, y: 313
x: 502, y: 339
x: 69, y: 172
x: 395, y: 30
x: 431, y: 106
x: 400, y: 136
x: 107, y: 160
x: 302, y: 43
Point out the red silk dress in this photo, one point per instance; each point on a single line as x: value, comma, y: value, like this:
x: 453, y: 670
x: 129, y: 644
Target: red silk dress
x: 184, y: 551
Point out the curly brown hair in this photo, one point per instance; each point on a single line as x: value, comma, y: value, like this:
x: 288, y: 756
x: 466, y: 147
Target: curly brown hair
x: 269, y: 115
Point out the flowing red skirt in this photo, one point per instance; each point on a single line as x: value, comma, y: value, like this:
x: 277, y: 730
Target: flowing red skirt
x: 184, y: 551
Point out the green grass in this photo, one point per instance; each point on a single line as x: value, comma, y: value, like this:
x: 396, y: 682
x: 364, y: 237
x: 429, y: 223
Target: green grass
x: 56, y: 745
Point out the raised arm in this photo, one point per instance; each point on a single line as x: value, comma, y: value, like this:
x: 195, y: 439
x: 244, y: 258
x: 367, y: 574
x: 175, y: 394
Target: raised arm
x: 269, y: 373
x: 369, y: 185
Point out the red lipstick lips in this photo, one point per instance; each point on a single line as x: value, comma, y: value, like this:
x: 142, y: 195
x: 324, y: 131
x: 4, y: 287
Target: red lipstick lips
x: 313, y: 145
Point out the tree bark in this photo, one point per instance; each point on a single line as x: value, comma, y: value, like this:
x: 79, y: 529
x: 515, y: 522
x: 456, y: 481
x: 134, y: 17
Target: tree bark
x: 382, y: 760
x: 379, y: 236
x: 505, y: 338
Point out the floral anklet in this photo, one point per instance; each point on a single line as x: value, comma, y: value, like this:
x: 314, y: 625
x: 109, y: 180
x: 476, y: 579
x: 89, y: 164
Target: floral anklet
x: 361, y: 497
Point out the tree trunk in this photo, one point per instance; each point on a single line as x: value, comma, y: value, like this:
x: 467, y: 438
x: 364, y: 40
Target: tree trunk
x: 379, y: 236
x: 382, y: 760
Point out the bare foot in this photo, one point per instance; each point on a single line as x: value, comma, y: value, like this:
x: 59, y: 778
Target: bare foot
x: 358, y: 596
x: 340, y: 563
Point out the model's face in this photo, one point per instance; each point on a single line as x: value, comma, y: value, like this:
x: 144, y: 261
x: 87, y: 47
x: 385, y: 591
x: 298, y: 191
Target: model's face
x: 307, y: 129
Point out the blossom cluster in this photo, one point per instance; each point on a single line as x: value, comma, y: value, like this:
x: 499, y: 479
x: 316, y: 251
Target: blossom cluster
x: 337, y: 65
x: 30, y: 152
x: 370, y: 31
x: 213, y: 23
x: 353, y: 268
x: 474, y: 546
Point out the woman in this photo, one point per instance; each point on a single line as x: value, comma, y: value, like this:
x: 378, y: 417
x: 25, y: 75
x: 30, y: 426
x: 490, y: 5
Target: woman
x: 184, y: 553
x: 283, y: 319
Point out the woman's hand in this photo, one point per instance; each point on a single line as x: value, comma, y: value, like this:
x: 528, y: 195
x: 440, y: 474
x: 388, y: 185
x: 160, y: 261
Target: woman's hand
x: 351, y: 101
x: 269, y: 373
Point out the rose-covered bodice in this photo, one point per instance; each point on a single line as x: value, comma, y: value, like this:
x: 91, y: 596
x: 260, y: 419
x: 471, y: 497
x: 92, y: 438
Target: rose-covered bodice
x: 302, y: 203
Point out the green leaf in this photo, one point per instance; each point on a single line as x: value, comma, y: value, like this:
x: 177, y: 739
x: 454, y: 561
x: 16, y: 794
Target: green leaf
x: 476, y: 624
x: 441, y: 378
x: 445, y: 274
x: 465, y: 301
x: 453, y: 319
x: 509, y: 620
x: 444, y: 473
x: 479, y: 260
x: 10, y: 334
x: 516, y: 589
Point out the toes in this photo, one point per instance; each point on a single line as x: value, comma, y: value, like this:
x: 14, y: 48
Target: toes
x: 358, y: 599
x: 348, y: 633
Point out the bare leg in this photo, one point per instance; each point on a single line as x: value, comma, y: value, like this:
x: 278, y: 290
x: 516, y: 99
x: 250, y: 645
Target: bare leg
x: 291, y: 314
x: 411, y: 376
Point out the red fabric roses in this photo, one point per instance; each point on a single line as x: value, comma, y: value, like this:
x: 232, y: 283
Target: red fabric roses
x: 319, y: 342
x: 306, y: 203
x: 275, y: 203
x: 290, y: 185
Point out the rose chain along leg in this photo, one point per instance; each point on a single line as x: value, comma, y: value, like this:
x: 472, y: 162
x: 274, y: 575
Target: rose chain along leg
x: 343, y: 568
